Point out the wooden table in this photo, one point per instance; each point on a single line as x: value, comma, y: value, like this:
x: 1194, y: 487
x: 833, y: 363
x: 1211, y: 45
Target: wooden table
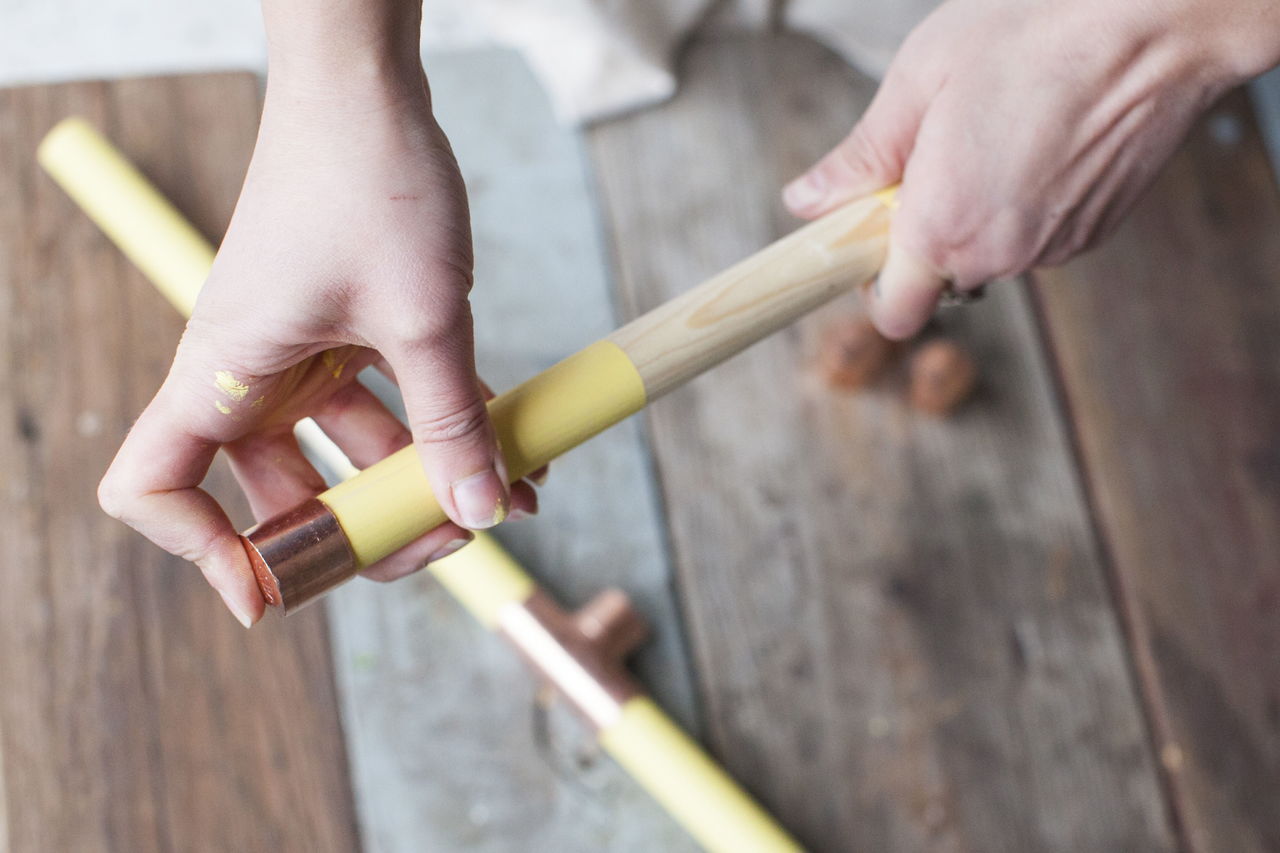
x: 1049, y: 623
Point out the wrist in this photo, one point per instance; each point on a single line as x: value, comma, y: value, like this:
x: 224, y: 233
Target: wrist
x: 1254, y: 43
x: 1235, y: 40
x: 361, y: 50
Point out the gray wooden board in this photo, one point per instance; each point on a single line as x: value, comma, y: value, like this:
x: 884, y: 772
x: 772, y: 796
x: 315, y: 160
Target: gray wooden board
x: 903, y: 636
x: 450, y: 746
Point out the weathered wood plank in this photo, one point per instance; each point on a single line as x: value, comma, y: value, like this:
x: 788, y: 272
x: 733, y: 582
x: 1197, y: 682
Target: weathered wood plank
x: 903, y: 635
x: 135, y: 713
x: 452, y: 748
x: 1168, y: 339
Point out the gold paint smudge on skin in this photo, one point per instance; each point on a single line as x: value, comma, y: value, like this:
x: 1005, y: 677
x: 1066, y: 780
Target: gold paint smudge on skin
x: 334, y: 363
x: 229, y: 385
x: 222, y: 407
x: 258, y: 403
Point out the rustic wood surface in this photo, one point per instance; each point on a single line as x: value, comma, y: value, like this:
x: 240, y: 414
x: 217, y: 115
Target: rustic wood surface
x: 452, y: 745
x: 135, y: 713
x: 1047, y: 624
x: 901, y: 627
x: 1168, y: 339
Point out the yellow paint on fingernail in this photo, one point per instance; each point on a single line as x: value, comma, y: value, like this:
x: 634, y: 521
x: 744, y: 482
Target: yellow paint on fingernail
x: 229, y: 385
x: 222, y: 407
x: 499, y: 513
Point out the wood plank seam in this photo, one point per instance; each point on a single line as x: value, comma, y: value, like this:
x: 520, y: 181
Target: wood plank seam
x: 1174, y: 389
x: 1129, y: 616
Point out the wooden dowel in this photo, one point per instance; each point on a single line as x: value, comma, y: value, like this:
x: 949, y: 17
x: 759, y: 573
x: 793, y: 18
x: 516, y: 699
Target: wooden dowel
x: 769, y: 290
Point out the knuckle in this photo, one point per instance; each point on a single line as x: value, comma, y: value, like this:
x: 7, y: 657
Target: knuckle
x: 453, y: 426
x: 859, y: 157
x: 929, y: 237
x: 438, y: 324
x: 458, y: 267
x: 201, y: 545
x: 968, y: 248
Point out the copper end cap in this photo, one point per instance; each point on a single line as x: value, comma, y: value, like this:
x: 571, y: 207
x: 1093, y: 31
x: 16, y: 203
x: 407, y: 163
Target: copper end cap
x: 299, y: 555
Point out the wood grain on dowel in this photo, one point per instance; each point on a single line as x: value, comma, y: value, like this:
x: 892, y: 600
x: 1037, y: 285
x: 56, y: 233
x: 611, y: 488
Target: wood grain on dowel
x: 769, y: 290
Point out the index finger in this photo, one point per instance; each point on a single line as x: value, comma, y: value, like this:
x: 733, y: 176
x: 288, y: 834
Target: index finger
x: 153, y: 485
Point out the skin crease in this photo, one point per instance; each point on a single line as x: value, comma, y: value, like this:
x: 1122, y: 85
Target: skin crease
x: 351, y: 235
x: 1022, y: 131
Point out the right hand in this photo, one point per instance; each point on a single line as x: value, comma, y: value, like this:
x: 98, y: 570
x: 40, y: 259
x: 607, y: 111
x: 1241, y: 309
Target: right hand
x: 350, y: 245
x: 1021, y: 132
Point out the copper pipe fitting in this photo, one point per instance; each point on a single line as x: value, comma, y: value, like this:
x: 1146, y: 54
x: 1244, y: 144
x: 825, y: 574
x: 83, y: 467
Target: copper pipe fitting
x: 580, y: 654
x: 612, y: 625
x: 299, y: 555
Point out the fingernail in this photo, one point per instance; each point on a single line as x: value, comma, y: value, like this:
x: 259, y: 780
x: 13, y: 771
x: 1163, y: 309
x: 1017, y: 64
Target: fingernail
x: 241, y: 616
x: 450, y: 548
x: 518, y: 514
x: 805, y: 192
x: 481, y: 499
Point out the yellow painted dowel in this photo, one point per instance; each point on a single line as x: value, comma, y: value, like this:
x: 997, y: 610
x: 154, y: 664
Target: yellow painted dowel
x: 391, y: 504
x: 536, y: 421
x: 689, y: 785
x: 484, y: 577
x: 147, y: 228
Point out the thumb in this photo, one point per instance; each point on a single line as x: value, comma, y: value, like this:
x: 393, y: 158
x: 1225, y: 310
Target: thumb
x: 450, y: 422
x: 873, y: 156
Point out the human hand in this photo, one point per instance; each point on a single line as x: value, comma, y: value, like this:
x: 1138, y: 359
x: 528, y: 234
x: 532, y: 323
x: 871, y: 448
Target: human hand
x: 350, y: 246
x: 1022, y: 132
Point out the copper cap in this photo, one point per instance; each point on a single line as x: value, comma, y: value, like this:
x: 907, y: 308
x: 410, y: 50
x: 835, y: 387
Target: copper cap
x: 299, y: 555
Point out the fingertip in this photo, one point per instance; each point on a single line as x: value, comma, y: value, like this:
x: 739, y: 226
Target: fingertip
x: 524, y: 500
x: 805, y: 195
x: 238, y: 610
x: 236, y: 584
x: 454, y: 436
x: 904, y: 296
x: 451, y: 547
x: 435, y: 545
x: 228, y: 571
x: 481, y: 500
x: 897, y: 326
